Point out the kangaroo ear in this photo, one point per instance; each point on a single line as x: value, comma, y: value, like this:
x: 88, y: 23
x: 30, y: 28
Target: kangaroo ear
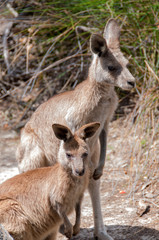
x: 84, y: 32
x: 112, y: 34
x: 61, y: 132
x: 98, y: 44
x: 88, y: 130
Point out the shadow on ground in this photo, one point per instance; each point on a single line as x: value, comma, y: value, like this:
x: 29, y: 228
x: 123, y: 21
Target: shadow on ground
x: 119, y: 232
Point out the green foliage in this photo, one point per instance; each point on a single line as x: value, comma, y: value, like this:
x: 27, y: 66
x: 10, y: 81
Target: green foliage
x: 139, y: 22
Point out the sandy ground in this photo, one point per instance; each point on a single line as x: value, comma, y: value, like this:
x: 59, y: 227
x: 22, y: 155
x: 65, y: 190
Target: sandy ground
x: 119, y: 210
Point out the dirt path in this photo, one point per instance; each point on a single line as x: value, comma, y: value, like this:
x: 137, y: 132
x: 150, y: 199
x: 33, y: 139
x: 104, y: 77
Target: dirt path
x: 119, y: 208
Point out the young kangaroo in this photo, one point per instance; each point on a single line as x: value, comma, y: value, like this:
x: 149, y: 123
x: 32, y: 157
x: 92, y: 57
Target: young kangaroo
x: 35, y: 203
x: 92, y: 100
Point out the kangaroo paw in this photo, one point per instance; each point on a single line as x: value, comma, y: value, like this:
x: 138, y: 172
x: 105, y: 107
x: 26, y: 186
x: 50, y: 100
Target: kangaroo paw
x: 97, y: 174
x: 68, y: 231
x: 76, y: 229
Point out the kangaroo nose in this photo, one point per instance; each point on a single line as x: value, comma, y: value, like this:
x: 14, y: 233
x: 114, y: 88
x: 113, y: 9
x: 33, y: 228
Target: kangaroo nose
x: 80, y: 173
x: 132, y: 84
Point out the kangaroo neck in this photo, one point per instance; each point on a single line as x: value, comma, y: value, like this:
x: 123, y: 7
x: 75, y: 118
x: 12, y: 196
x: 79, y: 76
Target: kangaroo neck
x: 89, y: 96
x: 95, y: 90
x: 104, y: 87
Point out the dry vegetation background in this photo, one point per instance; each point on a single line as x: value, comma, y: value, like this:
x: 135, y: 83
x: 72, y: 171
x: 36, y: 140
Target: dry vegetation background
x: 42, y: 54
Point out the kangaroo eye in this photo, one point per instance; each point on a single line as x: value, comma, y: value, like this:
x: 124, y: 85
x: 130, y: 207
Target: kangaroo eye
x: 111, y: 68
x: 68, y: 155
x: 84, y: 155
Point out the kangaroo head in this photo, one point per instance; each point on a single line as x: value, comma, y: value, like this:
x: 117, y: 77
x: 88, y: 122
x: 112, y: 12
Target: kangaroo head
x: 74, y: 151
x: 109, y: 65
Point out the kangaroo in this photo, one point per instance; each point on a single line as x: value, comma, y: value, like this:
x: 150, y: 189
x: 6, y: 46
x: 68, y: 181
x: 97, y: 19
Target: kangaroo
x: 93, y: 100
x: 34, y: 204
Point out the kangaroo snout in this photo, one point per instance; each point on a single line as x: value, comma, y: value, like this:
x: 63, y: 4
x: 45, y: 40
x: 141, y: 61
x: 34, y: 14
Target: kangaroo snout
x: 126, y: 79
x: 79, y: 173
x: 131, y: 84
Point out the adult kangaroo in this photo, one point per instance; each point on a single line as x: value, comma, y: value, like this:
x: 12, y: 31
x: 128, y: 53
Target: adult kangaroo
x: 93, y: 100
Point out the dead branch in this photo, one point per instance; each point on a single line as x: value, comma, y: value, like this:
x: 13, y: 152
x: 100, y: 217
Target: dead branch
x: 5, y: 46
x: 33, y: 78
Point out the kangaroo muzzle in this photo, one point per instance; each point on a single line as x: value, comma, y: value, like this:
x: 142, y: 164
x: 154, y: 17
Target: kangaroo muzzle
x: 131, y: 84
x: 80, y: 173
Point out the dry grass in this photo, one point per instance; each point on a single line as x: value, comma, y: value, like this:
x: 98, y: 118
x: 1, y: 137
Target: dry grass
x: 144, y: 129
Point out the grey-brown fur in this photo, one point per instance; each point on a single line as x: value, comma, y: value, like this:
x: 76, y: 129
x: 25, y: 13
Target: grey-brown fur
x: 92, y: 100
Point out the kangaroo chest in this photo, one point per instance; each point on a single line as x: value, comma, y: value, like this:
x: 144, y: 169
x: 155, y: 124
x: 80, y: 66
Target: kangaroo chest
x: 85, y: 113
